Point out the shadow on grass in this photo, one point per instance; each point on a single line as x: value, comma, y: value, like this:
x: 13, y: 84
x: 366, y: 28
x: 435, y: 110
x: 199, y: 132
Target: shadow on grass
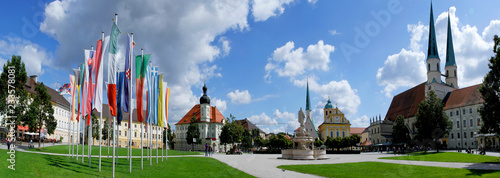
x: 478, y: 172
x: 70, y: 165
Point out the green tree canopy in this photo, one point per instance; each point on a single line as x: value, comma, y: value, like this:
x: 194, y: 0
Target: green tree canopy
x: 490, y: 91
x: 12, y: 80
x: 400, y: 132
x: 193, y: 132
x: 432, y: 123
x: 170, y: 137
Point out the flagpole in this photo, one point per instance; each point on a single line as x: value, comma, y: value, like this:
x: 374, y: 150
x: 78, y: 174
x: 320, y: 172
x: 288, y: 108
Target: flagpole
x: 78, y: 135
x: 114, y: 122
x: 69, y: 134
x: 162, y: 144
x: 83, y: 135
x: 90, y: 125
x: 130, y: 105
x: 150, y: 145
x: 100, y: 117
x: 142, y: 123
x: 156, y: 144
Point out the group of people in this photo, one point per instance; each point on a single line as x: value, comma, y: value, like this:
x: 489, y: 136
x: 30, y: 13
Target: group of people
x: 208, y: 150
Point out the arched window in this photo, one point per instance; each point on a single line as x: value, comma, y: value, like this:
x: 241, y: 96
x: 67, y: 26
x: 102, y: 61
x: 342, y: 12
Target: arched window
x: 447, y: 73
x: 451, y: 135
x: 428, y: 67
x: 331, y: 134
x: 343, y: 134
x: 338, y: 134
x: 455, y: 72
x: 437, y: 65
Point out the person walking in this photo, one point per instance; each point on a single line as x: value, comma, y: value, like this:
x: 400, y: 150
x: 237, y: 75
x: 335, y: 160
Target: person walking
x: 8, y: 144
x: 210, y: 149
x: 206, y: 149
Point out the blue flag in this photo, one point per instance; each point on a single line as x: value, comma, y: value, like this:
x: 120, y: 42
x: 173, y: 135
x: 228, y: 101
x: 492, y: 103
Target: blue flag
x: 128, y: 75
x: 119, y: 88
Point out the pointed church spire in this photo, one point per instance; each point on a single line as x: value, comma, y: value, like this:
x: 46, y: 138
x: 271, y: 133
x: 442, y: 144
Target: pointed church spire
x: 308, y: 103
x: 450, y: 53
x: 432, y: 51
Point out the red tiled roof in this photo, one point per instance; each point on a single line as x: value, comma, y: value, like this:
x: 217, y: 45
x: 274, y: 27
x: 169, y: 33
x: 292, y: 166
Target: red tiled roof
x: 464, y: 97
x: 406, y: 103
x: 366, y: 143
x: 216, y: 116
x: 357, y: 130
x: 54, y: 95
x: 248, y: 125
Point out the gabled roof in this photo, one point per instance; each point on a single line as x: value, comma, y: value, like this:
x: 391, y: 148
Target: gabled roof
x: 406, y: 103
x: 215, y: 115
x: 248, y: 125
x: 357, y: 130
x: 54, y: 95
x: 464, y: 97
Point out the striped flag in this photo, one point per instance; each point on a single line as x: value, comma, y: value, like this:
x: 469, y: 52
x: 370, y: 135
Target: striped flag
x: 128, y: 72
x: 73, y: 85
x: 113, y: 48
x: 160, y: 100
x: 82, y: 83
x: 165, y: 105
x: 99, y: 73
x: 141, y: 62
x: 88, y: 83
x: 119, y: 89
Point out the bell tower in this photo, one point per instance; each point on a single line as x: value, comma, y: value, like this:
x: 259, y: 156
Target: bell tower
x: 451, y: 66
x: 433, y: 61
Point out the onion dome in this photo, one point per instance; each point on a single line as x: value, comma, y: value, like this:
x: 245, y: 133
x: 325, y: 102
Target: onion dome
x: 205, y: 99
x: 329, y: 104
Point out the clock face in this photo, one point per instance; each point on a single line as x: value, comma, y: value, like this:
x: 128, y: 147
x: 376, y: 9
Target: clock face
x: 337, y: 119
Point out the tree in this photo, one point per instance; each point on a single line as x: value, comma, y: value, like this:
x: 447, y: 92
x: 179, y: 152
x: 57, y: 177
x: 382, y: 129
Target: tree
x: 246, y: 141
x: 41, y: 113
x: 12, y: 81
x: 354, y: 139
x: 279, y: 141
x: 432, y: 123
x: 318, y: 142
x: 490, y: 91
x: 170, y: 137
x: 255, y: 133
x: 95, y: 128
x: 193, y: 133
x: 225, y: 135
x: 259, y: 141
x: 231, y: 132
x: 105, y: 131
x: 400, y: 132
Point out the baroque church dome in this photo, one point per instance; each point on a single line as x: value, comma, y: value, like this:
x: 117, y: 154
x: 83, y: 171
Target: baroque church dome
x: 329, y: 104
x: 205, y: 99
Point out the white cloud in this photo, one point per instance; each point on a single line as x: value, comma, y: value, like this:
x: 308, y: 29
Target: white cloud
x: 290, y: 119
x: 262, y: 119
x: 312, y: 1
x: 264, y: 9
x: 183, y: 45
x: 240, y: 97
x: 33, y: 55
x: 291, y: 62
x: 265, y: 97
x: 334, y: 32
x: 472, y: 51
x: 362, y: 121
x: 220, y: 104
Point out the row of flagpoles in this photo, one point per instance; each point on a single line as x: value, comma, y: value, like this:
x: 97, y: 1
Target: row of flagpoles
x: 87, y: 84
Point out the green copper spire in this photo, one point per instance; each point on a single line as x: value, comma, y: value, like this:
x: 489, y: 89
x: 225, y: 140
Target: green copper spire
x: 308, y: 103
x: 432, y: 51
x: 450, y: 53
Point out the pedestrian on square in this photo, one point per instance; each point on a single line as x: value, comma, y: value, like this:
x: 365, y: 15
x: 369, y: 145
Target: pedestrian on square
x: 210, y: 150
x: 206, y: 149
x: 8, y: 144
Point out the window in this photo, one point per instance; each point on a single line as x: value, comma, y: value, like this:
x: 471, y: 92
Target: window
x: 458, y: 136
x: 343, y: 134
x: 428, y: 67
x: 338, y: 134
x: 470, y: 110
x: 470, y: 122
x: 120, y: 133
x: 465, y: 123
x: 478, y: 122
x: 455, y: 72
x: 465, y: 135
x: 463, y: 111
x: 451, y: 113
x: 437, y: 65
x: 451, y: 135
x: 447, y: 73
x: 125, y: 133
x: 135, y: 125
x: 458, y: 124
x: 471, y: 134
x: 125, y: 124
x: 135, y: 134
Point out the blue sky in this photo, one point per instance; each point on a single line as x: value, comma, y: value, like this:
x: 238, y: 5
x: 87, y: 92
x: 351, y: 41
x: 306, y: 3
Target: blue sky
x: 256, y: 56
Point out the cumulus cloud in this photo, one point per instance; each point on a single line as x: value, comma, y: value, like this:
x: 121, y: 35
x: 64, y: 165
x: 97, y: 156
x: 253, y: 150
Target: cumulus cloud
x: 472, y: 51
x: 290, y: 119
x: 362, y: 121
x: 262, y: 119
x: 183, y: 45
x: 290, y: 62
x: 33, y: 55
x: 264, y: 9
x: 220, y: 104
x: 240, y: 97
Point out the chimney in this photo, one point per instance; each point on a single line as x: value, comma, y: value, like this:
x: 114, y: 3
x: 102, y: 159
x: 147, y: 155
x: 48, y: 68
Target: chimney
x: 34, y: 77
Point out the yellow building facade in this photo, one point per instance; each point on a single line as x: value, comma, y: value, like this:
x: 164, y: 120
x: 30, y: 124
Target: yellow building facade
x: 334, y: 124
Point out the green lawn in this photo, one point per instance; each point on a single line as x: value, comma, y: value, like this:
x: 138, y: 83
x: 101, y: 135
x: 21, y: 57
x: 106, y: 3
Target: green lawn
x: 377, y: 169
x: 448, y: 157
x: 38, y: 165
x: 63, y: 149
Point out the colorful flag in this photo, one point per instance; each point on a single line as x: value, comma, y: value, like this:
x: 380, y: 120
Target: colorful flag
x: 99, y: 73
x: 160, y: 100
x: 65, y: 87
x: 113, y: 48
x: 72, y: 83
x: 148, y: 93
x: 128, y: 72
x: 154, y: 94
x: 141, y: 62
x: 119, y: 89
x: 165, y: 103
x: 88, y: 83
x: 82, y: 83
